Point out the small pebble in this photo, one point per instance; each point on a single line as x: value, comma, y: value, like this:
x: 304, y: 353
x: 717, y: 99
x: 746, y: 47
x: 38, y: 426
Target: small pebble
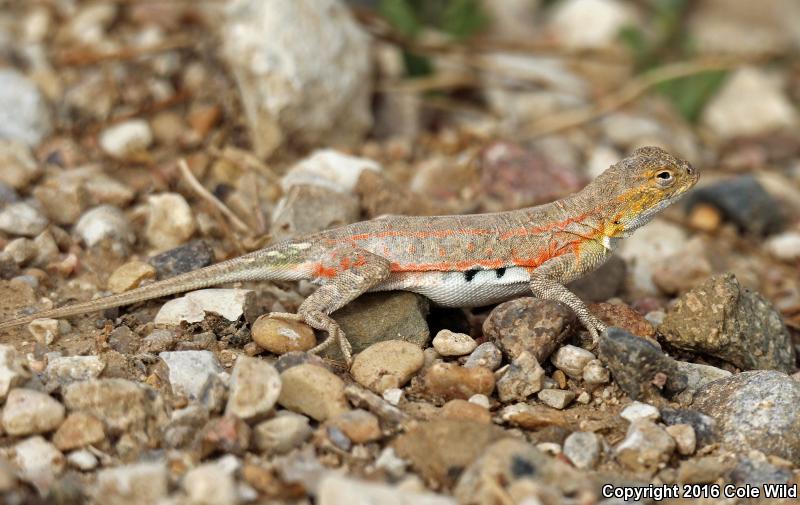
x: 785, y: 246
x: 595, y: 373
x: 254, y: 388
x: 282, y: 433
x: 685, y: 438
x: 78, y: 430
x: 448, y: 381
x: 170, y: 221
x: 130, y: 276
x: 188, y: 371
x: 211, y: 483
x: 66, y: 369
x: 466, y: 411
x: 280, y: 336
x: 393, y: 395
x: 572, y: 360
x: 132, y: 483
x: 82, y: 460
x: 584, y: 398
x: 582, y: 449
x: 231, y: 304
x: 38, y: 462
x: 29, y: 412
x: 637, y: 411
x: 645, y: 448
x: 105, y: 222
x: 556, y: 398
x: 480, y: 399
x: 486, y: 355
x: 44, y: 330
x: 522, y: 378
x: 313, y: 391
x: 448, y: 343
x: 126, y: 139
x: 358, y: 425
x: 387, y: 364
x: 22, y: 218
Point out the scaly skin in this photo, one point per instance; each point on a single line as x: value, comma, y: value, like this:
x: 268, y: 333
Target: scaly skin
x: 454, y: 260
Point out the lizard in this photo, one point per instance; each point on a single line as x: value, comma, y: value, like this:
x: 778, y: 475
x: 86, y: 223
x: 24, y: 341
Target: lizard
x: 454, y: 260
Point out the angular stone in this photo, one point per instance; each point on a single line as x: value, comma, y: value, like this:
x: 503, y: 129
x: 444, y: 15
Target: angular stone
x: 130, y: 276
x: 387, y: 364
x: 705, y: 427
x: 531, y: 324
x: 185, y: 258
x: 212, y: 483
x: 38, y: 463
x: 254, y: 388
x: 640, y: 368
x: 582, y: 448
x: 625, y: 317
x: 12, y: 370
x: 638, y: 411
x: 723, y: 319
x: 523, y: 377
x: 556, y: 398
x: 188, y: 371
x: 572, y: 360
x: 685, y: 438
x: 645, y: 448
x: 486, y: 355
x: 307, y: 209
x: 231, y: 304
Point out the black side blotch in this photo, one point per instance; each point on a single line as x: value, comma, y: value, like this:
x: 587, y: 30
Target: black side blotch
x: 470, y: 274
x: 500, y: 272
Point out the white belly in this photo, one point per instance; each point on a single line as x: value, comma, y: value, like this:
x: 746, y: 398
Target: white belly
x: 460, y: 289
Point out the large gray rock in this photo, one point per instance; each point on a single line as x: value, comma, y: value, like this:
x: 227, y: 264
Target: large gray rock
x: 758, y: 410
x: 24, y: 115
x: 307, y: 80
x: 723, y: 319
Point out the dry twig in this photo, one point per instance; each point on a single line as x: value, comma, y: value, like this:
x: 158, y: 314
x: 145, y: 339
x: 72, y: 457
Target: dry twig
x: 210, y: 198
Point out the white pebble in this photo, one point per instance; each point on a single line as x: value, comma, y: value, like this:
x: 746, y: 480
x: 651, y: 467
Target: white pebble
x: 448, y: 343
x: 637, y: 411
x: 127, y: 138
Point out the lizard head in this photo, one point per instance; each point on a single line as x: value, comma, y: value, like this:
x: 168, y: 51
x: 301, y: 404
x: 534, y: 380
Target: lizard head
x: 640, y: 186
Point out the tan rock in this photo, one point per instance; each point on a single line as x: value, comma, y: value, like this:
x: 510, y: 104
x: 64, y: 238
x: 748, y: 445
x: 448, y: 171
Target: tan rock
x: 280, y: 336
x: 313, y: 391
x: 130, y: 276
x: 387, y: 364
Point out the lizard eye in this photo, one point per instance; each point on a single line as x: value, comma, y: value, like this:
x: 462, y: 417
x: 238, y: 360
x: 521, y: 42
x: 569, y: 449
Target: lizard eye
x: 665, y: 178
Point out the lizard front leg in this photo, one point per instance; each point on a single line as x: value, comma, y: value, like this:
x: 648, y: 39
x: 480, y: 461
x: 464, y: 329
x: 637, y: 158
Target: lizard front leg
x: 549, y: 289
x: 347, y: 273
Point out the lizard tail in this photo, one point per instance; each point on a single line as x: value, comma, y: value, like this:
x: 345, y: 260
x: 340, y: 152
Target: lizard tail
x: 244, y: 268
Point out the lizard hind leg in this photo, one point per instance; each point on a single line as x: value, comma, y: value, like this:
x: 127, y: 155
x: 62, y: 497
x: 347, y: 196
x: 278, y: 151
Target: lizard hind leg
x: 347, y: 273
x: 548, y: 289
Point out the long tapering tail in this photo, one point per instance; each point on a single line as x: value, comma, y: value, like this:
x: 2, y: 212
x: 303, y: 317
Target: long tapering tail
x: 243, y: 268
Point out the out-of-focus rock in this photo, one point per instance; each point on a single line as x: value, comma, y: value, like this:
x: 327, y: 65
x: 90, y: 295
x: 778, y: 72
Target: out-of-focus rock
x: 742, y: 201
x: 22, y: 218
x: 330, y: 169
x: 307, y: 209
x: 750, y: 102
x: 589, y: 24
x: 24, y: 115
x: 387, y: 364
x: 307, y: 81
x: 105, y: 222
x: 646, y: 249
x: 18, y: 166
x: 127, y: 139
x: 725, y: 320
x: 170, y: 221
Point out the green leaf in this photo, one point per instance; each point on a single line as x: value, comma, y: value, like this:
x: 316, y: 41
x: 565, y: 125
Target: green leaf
x: 401, y: 15
x: 463, y: 18
x: 690, y: 94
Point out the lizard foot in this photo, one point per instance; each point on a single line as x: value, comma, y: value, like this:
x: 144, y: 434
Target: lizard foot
x: 324, y: 323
